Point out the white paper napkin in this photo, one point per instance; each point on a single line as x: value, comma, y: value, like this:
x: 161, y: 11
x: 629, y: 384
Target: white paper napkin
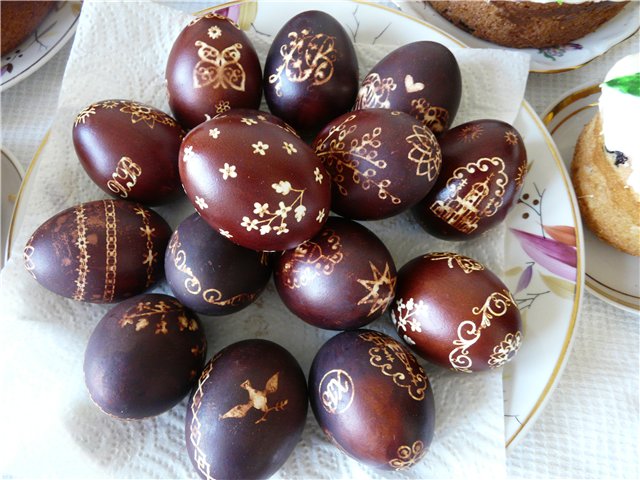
x: 49, y: 425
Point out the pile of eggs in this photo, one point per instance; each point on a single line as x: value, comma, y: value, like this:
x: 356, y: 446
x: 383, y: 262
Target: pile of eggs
x: 263, y: 186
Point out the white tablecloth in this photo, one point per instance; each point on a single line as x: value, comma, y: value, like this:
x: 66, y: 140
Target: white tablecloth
x: 589, y: 428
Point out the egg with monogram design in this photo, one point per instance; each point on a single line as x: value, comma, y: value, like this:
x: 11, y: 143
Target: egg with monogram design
x: 343, y: 278
x: 484, y: 163
x: 428, y: 89
x: 144, y: 356
x: 311, y: 71
x: 381, y: 162
x: 255, y: 182
x: 247, y: 412
x: 210, y: 274
x: 372, y: 399
x: 130, y: 150
x: 462, y: 329
x: 212, y: 68
x: 101, y: 252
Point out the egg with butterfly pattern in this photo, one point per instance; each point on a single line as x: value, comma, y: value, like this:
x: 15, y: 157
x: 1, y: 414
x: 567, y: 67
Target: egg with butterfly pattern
x: 421, y: 78
x: 212, y: 68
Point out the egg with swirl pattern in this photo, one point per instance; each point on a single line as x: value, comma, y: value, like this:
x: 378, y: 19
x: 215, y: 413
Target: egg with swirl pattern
x: 311, y: 72
x: 421, y: 78
x: 101, y: 252
x: 130, y: 150
x: 381, y: 162
x: 144, y: 356
x: 463, y: 329
x: 212, y: 68
x: 372, y: 399
x: 484, y: 166
x: 255, y: 182
x: 210, y: 274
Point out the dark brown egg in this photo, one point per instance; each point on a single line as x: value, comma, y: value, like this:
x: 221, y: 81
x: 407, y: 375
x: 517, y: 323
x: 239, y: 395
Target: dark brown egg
x: 343, y: 278
x: 484, y: 163
x: 101, y: 252
x: 247, y: 412
x: 130, y: 150
x: 210, y: 274
x: 212, y: 68
x: 254, y: 182
x: 372, y: 399
x: 144, y: 356
x: 420, y: 78
x: 311, y: 71
x: 456, y: 313
x: 381, y: 162
x: 250, y: 116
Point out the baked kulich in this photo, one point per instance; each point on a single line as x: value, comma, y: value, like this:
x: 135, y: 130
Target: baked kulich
x: 528, y: 24
x: 18, y: 20
x: 605, y: 171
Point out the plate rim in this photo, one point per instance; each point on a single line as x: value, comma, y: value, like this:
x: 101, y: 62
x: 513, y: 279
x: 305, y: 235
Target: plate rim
x: 49, y: 54
x: 561, y: 361
x: 563, y: 101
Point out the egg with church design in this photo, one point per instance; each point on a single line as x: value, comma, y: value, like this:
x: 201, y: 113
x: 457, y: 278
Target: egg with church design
x: 130, y: 150
x: 101, y: 252
x: 381, y: 162
x: 484, y: 163
x: 210, y: 274
x: 429, y: 89
x: 372, y: 399
x: 463, y: 329
x: 311, y: 71
x: 254, y: 182
x: 247, y: 411
x: 343, y: 278
x: 212, y: 68
x: 144, y: 356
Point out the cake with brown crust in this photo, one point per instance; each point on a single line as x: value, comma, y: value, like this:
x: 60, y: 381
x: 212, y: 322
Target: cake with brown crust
x: 605, y: 171
x: 18, y: 20
x: 528, y: 24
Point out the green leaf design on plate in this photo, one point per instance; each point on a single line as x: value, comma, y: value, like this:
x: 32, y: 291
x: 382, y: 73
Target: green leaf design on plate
x: 628, y: 84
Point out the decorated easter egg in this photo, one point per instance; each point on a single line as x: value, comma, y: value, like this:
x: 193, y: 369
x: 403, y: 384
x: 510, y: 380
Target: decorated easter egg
x: 210, y: 274
x: 420, y: 78
x: 456, y: 313
x: 144, y: 356
x: 102, y: 251
x: 247, y: 411
x: 381, y: 162
x: 343, y: 278
x: 254, y: 182
x: 130, y: 150
x: 311, y: 71
x: 484, y: 165
x: 212, y: 68
x: 372, y: 399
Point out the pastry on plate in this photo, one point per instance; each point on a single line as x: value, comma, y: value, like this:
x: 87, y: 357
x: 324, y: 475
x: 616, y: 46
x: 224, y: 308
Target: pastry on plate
x: 606, y: 164
x: 528, y: 24
x: 19, y: 20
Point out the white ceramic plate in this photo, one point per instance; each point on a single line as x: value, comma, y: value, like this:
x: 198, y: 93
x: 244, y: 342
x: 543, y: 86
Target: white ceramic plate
x: 11, y: 175
x: 550, y: 301
x: 54, y: 32
x: 553, y: 59
x: 610, y: 274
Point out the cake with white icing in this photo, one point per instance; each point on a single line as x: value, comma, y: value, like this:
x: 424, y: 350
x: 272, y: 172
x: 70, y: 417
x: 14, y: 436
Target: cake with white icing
x: 606, y: 165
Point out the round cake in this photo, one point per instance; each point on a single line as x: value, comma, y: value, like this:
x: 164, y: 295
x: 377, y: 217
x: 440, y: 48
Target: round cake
x: 605, y: 170
x: 528, y: 24
x: 19, y: 20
